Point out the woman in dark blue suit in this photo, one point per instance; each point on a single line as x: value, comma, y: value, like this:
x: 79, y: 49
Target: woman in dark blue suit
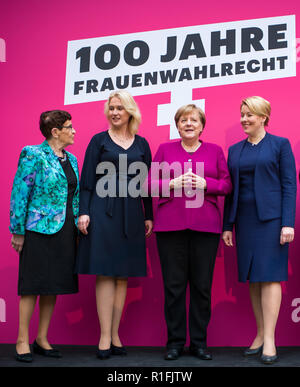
x: 262, y: 209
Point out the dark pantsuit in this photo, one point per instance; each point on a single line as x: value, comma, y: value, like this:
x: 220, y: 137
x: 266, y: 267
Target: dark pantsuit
x: 187, y: 256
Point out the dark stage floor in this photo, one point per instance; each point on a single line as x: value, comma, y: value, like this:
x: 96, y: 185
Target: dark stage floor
x: 85, y: 356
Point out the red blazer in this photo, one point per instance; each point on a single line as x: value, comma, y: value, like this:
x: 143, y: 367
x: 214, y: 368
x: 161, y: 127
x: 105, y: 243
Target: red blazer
x: 173, y: 213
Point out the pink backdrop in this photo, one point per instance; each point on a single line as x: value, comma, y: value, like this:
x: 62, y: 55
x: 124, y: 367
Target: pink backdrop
x: 32, y: 80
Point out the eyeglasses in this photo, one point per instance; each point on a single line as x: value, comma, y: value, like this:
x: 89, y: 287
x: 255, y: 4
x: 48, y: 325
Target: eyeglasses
x: 70, y: 127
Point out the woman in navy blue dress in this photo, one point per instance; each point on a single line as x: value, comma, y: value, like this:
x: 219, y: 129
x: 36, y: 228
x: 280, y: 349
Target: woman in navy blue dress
x: 262, y: 209
x: 112, y: 240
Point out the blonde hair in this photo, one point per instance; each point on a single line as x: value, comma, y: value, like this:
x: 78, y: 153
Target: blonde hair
x: 129, y: 105
x: 258, y: 106
x: 187, y: 109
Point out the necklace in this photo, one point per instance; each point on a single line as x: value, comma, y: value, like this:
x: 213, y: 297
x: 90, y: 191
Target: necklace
x: 191, y: 149
x: 123, y: 140
x: 257, y: 140
x: 64, y: 157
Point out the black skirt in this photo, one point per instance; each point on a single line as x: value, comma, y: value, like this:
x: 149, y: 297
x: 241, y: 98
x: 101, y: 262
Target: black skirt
x: 47, y: 260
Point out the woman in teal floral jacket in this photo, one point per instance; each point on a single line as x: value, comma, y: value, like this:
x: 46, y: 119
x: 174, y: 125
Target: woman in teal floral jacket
x: 43, y: 219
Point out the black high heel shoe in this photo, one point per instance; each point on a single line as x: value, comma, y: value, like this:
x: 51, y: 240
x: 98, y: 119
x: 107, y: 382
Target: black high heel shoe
x: 46, y: 352
x: 266, y: 359
x: 118, y: 351
x: 103, y: 353
x: 253, y: 352
x: 24, y: 357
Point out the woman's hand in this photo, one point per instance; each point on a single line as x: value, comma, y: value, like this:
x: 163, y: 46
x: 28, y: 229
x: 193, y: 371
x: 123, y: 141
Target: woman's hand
x: 83, y: 223
x: 286, y: 235
x: 197, y: 181
x: 227, y: 238
x: 17, y: 242
x: 177, y: 183
x: 149, y: 227
x: 189, y: 179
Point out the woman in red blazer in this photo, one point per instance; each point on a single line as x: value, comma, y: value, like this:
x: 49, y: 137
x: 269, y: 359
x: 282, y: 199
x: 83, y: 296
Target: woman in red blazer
x: 188, y: 175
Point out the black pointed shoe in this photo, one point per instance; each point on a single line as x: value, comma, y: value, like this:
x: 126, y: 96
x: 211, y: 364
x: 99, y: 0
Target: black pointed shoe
x: 118, y: 351
x: 253, y: 352
x: 103, y: 353
x: 46, y: 352
x: 268, y: 359
x: 24, y: 357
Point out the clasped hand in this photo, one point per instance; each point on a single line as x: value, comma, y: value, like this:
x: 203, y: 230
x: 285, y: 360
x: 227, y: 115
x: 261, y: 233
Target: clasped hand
x: 188, y: 180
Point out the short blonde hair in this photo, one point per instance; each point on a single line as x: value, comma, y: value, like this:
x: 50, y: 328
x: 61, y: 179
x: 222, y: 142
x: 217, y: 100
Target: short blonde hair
x: 187, y: 109
x: 129, y: 105
x: 259, y: 106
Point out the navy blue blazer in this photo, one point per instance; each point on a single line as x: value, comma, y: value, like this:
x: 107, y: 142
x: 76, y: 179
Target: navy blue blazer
x: 275, y: 182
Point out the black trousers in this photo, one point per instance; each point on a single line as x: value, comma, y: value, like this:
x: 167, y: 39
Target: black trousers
x: 187, y: 256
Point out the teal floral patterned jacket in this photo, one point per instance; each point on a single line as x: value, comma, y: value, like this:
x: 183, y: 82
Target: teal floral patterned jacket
x: 40, y: 191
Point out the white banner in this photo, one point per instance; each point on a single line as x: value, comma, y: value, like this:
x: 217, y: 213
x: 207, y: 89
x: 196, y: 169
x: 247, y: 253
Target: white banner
x: 194, y: 57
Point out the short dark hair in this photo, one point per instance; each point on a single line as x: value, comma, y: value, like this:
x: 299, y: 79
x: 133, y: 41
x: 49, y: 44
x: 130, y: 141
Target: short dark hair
x: 53, y: 119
